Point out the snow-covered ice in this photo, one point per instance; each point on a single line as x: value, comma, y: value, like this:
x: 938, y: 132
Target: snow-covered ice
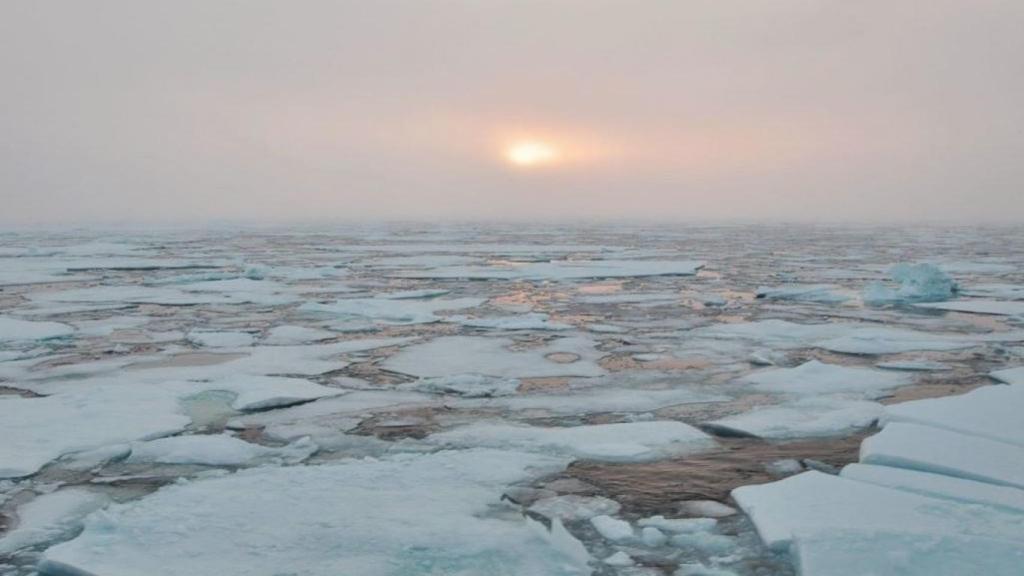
x: 414, y: 514
x: 815, y: 378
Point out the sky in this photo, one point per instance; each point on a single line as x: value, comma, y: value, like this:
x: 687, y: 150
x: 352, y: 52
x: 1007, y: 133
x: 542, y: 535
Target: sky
x: 197, y: 111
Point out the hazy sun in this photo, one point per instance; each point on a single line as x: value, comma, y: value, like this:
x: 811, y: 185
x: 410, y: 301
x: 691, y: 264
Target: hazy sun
x: 528, y: 153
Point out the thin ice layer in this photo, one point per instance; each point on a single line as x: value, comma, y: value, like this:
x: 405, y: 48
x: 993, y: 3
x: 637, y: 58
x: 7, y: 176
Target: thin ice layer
x: 406, y: 515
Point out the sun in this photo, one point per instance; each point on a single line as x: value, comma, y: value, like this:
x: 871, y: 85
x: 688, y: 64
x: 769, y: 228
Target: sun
x: 530, y: 153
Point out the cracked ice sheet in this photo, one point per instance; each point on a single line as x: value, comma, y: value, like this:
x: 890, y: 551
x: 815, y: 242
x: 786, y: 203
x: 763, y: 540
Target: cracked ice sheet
x: 847, y: 337
x: 944, y: 452
x: 313, y: 528
x: 624, y: 442
x: 813, y: 504
x: 816, y: 377
x: 453, y: 355
x: 993, y: 307
x: 992, y: 412
x: 561, y: 270
x: 390, y: 311
x: 806, y: 417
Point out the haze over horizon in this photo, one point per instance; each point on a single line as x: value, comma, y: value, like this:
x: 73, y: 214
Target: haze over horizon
x: 195, y: 111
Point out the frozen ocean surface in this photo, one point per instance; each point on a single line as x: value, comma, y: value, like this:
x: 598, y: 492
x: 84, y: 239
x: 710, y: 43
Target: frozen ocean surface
x: 471, y: 400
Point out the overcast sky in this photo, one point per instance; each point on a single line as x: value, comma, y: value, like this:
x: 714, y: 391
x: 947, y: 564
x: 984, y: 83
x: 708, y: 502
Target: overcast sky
x: 201, y: 110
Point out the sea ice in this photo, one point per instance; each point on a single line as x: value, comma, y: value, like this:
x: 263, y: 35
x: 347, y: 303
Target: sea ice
x: 84, y: 419
x: 941, y: 451
x: 532, y: 321
x: 575, y: 507
x: 1010, y: 375
x: 612, y: 529
x: 215, y: 450
x: 889, y: 551
x: 937, y: 485
x: 14, y: 330
x: 466, y: 385
x: 994, y: 307
x: 208, y: 339
x: 992, y: 412
x: 285, y: 335
x: 453, y: 355
x: 407, y: 514
x: 389, y: 311
x: 918, y: 283
x: 814, y: 377
x: 814, y: 416
x: 814, y: 504
x: 50, y: 517
x: 995, y: 291
x: 593, y: 400
x: 560, y: 270
x: 625, y: 442
x: 914, y: 366
x: 821, y: 293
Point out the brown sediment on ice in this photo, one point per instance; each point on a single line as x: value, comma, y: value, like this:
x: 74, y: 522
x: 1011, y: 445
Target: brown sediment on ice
x: 657, y: 487
x: 621, y: 363
x: 545, y: 384
x: 932, y: 390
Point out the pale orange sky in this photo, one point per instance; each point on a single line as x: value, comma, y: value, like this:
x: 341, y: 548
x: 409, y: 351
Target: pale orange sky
x: 203, y: 110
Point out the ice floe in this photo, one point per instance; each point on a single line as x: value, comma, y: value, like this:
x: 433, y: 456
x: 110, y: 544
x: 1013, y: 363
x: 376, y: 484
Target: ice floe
x: 50, y: 517
x: 389, y: 311
x: 453, y: 355
x: 823, y: 293
x: 917, y: 283
x: 805, y: 417
x: 626, y: 442
x: 575, y: 507
x: 561, y: 270
x: 993, y: 307
x: 14, y: 330
x: 992, y: 412
x: 815, y: 378
x: 286, y: 335
x: 331, y: 519
x: 215, y: 450
x: 940, y: 451
x: 533, y: 321
x: 937, y: 485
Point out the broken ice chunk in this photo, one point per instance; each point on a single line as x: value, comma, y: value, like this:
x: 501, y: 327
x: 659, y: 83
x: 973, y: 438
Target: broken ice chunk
x: 575, y: 507
x: 918, y: 283
x: 612, y: 528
